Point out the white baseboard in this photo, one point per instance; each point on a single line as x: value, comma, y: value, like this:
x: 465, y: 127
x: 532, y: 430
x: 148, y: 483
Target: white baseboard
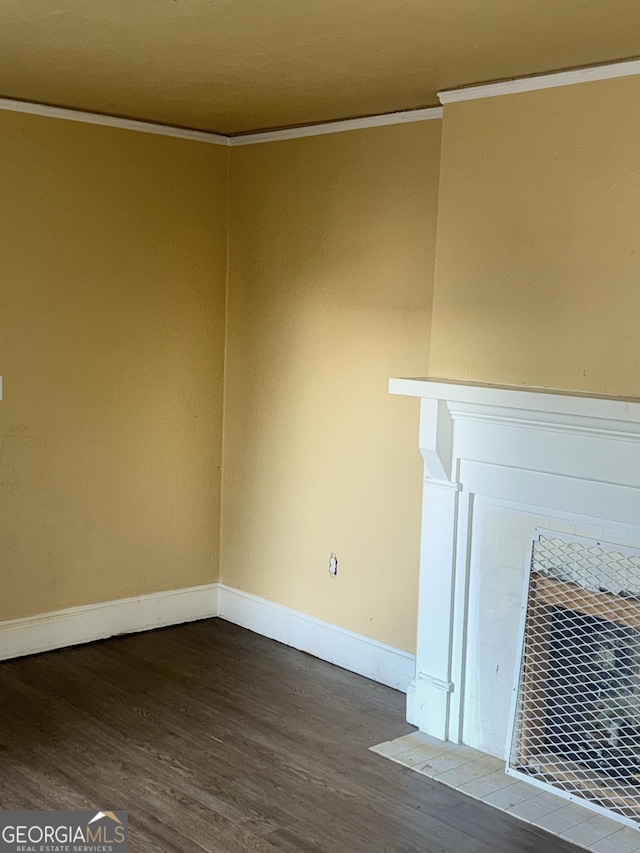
x: 76, y: 625
x: 351, y: 651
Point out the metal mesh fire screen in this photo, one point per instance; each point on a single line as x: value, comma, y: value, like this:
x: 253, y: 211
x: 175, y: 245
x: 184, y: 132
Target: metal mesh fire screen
x: 576, y: 725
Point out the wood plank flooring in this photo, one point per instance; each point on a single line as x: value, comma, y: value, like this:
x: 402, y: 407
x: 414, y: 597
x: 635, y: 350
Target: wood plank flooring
x: 216, y: 739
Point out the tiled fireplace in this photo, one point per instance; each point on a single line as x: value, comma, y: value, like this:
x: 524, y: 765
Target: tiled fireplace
x: 500, y: 464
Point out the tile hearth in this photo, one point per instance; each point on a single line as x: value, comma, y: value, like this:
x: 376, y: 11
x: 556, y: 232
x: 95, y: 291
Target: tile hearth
x: 482, y: 777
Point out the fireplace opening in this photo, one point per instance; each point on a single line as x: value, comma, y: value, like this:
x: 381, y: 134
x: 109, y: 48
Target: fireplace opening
x: 592, y: 705
x: 577, y: 711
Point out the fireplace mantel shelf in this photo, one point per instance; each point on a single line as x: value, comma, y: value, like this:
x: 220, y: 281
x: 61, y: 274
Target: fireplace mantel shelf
x: 494, y: 411
x: 531, y: 399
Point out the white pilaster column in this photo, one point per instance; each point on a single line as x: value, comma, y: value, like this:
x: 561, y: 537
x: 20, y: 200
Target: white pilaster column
x: 429, y: 696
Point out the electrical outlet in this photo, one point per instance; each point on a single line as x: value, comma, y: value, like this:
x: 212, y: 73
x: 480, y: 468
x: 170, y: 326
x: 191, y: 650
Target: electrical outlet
x: 333, y: 565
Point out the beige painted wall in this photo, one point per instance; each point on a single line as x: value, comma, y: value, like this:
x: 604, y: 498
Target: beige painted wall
x: 330, y: 279
x: 111, y: 331
x: 538, y: 252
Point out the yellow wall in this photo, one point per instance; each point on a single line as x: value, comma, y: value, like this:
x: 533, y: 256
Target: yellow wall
x: 330, y: 277
x: 111, y: 331
x: 112, y: 336
x: 538, y: 250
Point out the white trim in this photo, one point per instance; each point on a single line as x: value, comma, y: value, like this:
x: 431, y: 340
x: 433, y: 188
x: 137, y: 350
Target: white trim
x: 627, y: 68
x: 438, y: 683
x: 337, y: 126
x: 112, y: 121
x: 75, y: 625
x: 218, y: 138
x: 91, y: 622
x: 499, y: 401
x: 346, y: 649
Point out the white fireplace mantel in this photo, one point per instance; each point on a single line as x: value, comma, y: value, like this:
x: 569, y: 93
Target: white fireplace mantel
x: 499, y: 461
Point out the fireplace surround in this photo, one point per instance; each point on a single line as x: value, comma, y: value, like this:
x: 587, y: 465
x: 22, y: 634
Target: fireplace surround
x: 499, y: 464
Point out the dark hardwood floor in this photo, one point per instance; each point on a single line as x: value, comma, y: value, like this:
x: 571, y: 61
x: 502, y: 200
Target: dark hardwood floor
x: 216, y: 739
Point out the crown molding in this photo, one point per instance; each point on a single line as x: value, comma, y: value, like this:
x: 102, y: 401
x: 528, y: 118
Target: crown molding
x: 337, y: 126
x: 111, y: 121
x: 628, y: 68
x: 217, y: 138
